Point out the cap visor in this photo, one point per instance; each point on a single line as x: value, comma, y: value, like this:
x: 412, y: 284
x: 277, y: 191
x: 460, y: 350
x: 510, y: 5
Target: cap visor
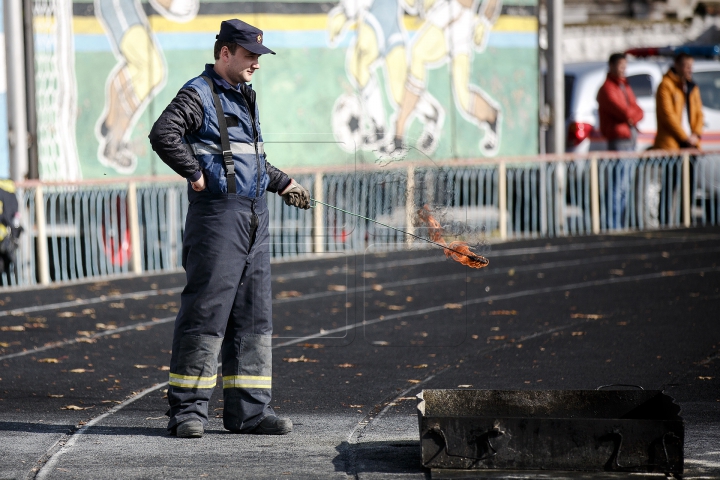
x: 258, y: 48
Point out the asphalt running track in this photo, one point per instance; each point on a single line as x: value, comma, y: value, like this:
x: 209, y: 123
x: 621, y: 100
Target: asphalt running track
x: 83, y: 367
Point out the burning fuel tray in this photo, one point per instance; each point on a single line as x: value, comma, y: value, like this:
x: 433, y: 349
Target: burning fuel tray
x: 562, y: 430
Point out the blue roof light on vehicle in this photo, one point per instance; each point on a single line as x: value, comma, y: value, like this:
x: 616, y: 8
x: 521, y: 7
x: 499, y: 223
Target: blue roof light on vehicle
x: 706, y: 51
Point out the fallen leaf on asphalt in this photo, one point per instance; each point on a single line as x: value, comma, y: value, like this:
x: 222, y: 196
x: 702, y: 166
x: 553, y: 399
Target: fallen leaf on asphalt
x: 155, y: 418
x: 288, y: 294
x: 55, y: 396
x: 705, y: 378
x: 464, y: 386
x: 474, y: 337
x: 589, y: 316
x: 617, y: 272
x: 48, y: 360
x: 396, y: 307
x: 141, y: 328
x: 111, y: 401
x: 88, y: 311
x: 408, y: 299
x: 453, y: 306
x: 668, y: 273
x: 66, y: 314
x: 86, y: 340
x: 117, y: 305
x: 4, y: 344
x: 337, y: 288
x: 622, y: 324
x: 356, y: 406
x: 577, y: 334
x: 503, y: 312
x: 314, y: 346
x: 13, y: 328
x: 368, y: 274
x: 35, y: 325
x: 73, y: 407
x: 115, y: 335
x: 141, y: 366
x: 414, y: 381
x: 346, y: 365
x: 80, y: 370
x: 381, y: 343
x: 496, y: 337
x: 377, y: 287
x: 84, y: 333
x: 424, y: 365
x: 164, y: 368
x: 102, y: 326
x: 300, y: 359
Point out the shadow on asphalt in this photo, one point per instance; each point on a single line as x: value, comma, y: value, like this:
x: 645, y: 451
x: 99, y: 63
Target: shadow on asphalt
x: 389, y: 457
x: 35, y: 427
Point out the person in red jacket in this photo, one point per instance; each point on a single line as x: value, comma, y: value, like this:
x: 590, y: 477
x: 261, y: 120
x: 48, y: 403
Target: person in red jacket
x: 618, y: 110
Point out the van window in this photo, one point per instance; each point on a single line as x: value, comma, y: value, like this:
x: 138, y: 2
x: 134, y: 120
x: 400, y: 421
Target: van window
x: 641, y: 85
x: 709, y: 84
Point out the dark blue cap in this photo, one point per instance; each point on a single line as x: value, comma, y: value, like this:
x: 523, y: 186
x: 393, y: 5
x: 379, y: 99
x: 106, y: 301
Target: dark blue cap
x: 245, y: 35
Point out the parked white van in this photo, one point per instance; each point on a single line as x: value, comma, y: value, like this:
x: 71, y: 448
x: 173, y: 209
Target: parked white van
x: 583, y: 80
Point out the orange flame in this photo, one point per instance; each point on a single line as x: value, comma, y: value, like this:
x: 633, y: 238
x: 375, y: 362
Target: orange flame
x: 458, y: 251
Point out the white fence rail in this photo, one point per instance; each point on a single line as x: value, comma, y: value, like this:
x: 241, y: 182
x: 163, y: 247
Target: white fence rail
x: 104, y: 228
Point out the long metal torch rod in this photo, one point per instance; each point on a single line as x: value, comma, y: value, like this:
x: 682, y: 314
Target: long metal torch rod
x: 394, y: 228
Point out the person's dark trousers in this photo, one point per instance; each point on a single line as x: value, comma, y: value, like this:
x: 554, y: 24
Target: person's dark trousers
x: 621, y: 181
x: 225, y: 308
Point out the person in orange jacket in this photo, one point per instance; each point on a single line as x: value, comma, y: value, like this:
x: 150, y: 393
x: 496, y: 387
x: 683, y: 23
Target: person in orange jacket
x: 679, y: 108
x: 618, y: 110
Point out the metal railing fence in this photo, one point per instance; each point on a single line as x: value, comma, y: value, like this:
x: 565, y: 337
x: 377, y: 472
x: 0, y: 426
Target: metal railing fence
x: 96, y: 229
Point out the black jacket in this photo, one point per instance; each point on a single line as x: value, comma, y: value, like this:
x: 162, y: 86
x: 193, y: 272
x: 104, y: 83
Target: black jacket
x: 185, y: 115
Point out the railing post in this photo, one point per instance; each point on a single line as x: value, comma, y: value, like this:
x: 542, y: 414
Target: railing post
x: 502, y: 199
x: 686, y: 189
x: 410, y: 203
x: 134, y: 225
x: 318, y: 213
x: 43, y: 264
x: 594, y: 195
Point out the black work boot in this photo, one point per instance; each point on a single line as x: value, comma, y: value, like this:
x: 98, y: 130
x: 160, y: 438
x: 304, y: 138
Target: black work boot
x: 190, y: 429
x: 273, y: 425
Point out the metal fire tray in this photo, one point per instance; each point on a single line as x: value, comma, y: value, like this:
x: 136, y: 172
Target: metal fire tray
x: 561, y: 430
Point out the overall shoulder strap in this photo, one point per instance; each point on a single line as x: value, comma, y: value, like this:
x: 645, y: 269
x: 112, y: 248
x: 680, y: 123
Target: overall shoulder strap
x: 224, y: 137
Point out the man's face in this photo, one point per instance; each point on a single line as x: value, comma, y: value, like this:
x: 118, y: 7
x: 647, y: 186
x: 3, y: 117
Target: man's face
x: 684, y: 68
x: 618, y: 69
x: 242, y: 65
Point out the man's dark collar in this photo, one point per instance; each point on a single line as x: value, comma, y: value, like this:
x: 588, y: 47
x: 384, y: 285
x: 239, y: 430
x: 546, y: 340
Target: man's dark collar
x: 210, y: 72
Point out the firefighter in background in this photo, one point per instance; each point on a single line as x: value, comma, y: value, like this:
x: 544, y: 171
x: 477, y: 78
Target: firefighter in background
x: 137, y: 77
x: 380, y: 42
x: 451, y: 31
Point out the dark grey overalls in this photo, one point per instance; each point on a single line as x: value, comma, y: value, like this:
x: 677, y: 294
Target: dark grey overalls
x: 226, y: 306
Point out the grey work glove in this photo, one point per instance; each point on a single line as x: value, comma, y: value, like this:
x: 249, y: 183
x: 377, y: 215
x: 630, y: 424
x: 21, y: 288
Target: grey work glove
x: 296, y: 195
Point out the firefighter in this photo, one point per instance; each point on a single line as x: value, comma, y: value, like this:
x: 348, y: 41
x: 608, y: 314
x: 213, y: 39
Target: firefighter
x: 226, y: 304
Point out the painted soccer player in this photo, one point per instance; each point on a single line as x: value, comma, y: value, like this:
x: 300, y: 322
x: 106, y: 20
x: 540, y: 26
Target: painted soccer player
x: 138, y: 75
x: 380, y: 42
x: 452, y: 30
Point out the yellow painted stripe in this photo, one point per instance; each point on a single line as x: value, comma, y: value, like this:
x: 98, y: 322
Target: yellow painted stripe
x: 188, y: 377
x: 266, y: 21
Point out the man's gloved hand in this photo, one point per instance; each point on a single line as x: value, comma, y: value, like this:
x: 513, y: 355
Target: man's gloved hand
x: 296, y: 195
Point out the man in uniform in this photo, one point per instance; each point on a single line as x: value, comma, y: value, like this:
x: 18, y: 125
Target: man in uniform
x: 226, y: 305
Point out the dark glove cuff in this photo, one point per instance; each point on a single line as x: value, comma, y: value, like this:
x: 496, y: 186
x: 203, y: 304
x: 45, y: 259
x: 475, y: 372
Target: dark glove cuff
x: 195, y: 176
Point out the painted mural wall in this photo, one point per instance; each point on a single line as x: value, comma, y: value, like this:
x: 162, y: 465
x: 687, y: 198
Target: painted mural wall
x: 352, y: 81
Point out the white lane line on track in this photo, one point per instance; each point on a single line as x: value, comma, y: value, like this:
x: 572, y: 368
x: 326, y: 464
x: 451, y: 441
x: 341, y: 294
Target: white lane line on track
x: 90, y: 301
x: 416, y: 281
x: 507, y: 296
x: 52, y: 461
x: 372, y: 266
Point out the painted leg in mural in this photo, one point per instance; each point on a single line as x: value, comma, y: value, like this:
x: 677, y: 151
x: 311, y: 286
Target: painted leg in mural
x: 360, y: 66
x: 139, y: 74
x: 430, y: 47
x: 180, y: 11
